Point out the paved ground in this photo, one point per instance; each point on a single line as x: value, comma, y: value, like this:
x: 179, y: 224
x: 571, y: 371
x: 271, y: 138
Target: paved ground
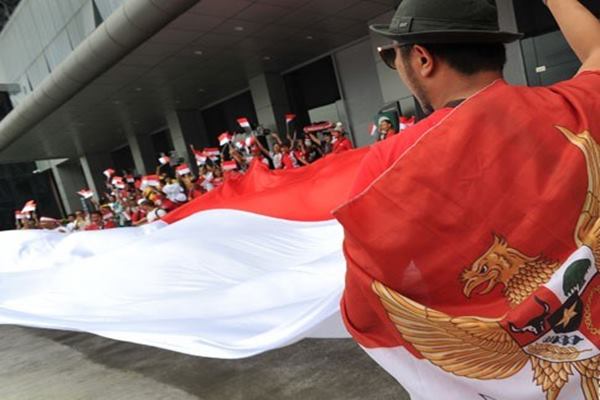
x: 49, y: 365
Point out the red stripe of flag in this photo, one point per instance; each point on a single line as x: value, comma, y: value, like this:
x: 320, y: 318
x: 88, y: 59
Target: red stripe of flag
x: 244, y: 123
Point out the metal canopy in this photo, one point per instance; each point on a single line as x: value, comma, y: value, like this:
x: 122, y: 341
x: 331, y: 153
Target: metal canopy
x: 202, y: 56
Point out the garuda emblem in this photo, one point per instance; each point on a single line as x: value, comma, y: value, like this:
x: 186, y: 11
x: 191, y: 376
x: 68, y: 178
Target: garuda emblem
x: 557, y: 339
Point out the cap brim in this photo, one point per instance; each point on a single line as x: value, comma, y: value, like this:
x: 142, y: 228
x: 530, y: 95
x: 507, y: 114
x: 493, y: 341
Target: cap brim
x: 448, y: 36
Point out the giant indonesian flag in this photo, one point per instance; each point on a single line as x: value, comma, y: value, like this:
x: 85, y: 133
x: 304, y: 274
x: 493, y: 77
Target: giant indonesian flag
x: 473, y: 261
x: 252, y: 266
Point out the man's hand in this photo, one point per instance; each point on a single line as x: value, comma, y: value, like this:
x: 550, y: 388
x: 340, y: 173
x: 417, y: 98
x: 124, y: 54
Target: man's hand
x: 581, y: 29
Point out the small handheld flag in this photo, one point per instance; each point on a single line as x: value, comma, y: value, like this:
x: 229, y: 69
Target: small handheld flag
x: 225, y: 138
x: 86, y: 193
x: 30, y: 206
x: 130, y: 179
x: 150, y: 181
x: 200, y: 157
x: 229, y: 165
x: 373, y: 129
x: 244, y: 123
x: 164, y: 160
x: 212, y: 152
x: 109, y: 172
x: 289, y: 118
x: 183, y: 169
x: 118, y: 182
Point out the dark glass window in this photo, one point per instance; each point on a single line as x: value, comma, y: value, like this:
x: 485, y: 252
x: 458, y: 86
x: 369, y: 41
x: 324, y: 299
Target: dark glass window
x: 312, y: 86
x: 223, y: 116
x: 534, y: 18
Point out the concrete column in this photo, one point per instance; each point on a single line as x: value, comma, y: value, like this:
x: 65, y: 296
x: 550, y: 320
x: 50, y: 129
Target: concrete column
x: 142, y: 151
x: 187, y: 127
x: 93, y: 166
x: 270, y: 101
x: 514, y: 72
x: 69, y: 180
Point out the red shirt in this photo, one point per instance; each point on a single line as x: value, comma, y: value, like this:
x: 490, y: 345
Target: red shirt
x: 341, y: 145
x: 96, y: 227
x: 286, y: 161
x: 299, y: 155
x: 383, y: 154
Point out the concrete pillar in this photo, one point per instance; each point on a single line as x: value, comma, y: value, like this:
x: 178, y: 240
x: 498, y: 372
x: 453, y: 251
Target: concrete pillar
x: 142, y: 151
x: 69, y: 180
x: 187, y: 127
x: 270, y: 101
x: 93, y: 166
x: 514, y: 72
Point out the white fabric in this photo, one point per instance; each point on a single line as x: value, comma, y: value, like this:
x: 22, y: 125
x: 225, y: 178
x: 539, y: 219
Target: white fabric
x: 221, y: 283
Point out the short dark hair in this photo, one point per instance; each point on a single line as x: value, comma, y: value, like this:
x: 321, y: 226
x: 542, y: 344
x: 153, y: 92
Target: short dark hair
x: 468, y: 58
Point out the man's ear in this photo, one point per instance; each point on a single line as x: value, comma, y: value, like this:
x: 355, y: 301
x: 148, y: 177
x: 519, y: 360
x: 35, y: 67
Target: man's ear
x: 424, y: 61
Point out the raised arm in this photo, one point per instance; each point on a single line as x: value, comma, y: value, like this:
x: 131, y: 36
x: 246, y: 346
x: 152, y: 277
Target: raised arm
x: 260, y: 145
x: 581, y: 29
x: 275, y: 136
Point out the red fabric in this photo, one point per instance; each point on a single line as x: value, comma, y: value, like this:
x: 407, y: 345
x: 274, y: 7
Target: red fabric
x: 286, y: 161
x: 196, y: 192
x: 299, y: 155
x: 383, y: 154
x: 92, y: 227
x: 302, y: 194
x: 169, y: 205
x: 497, y: 164
x: 341, y: 145
x: 217, y: 182
x: 109, y: 225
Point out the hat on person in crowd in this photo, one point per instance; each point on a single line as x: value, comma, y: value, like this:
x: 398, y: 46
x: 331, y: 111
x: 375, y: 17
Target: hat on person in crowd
x: 384, y: 119
x: 443, y: 21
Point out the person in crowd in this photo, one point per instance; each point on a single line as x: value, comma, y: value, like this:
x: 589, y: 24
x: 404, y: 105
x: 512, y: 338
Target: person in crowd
x: 325, y: 144
x: 218, y: 178
x: 80, y: 220
x: 51, y: 224
x: 287, y: 159
x: 71, y: 225
x: 152, y: 211
x: 175, y: 195
x: 98, y: 223
x: 136, y: 213
x: 386, y: 129
x: 193, y: 187
x: 299, y: 154
x: 311, y: 152
x: 340, y: 142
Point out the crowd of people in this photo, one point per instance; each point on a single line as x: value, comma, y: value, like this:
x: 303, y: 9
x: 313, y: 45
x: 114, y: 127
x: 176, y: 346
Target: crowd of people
x: 133, y: 201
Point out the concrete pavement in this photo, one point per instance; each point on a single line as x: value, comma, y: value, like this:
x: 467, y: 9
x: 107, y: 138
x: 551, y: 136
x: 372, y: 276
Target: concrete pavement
x: 49, y: 365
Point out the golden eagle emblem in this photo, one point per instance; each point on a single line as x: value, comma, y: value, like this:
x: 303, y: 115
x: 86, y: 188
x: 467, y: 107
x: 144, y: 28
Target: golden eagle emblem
x: 482, y: 348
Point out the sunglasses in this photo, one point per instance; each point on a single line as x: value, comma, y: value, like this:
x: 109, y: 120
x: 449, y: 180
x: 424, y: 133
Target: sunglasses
x: 388, y: 53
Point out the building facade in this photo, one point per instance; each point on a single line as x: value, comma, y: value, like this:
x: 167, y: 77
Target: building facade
x: 92, y: 84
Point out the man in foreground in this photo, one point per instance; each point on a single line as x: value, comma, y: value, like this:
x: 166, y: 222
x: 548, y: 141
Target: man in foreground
x: 471, y: 238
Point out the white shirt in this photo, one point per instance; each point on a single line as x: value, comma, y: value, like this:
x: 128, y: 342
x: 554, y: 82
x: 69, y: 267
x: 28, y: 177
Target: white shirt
x: 277, y: 157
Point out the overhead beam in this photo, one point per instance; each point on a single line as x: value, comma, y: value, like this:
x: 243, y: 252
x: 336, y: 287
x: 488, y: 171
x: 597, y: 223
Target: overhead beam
x: 127, y: 28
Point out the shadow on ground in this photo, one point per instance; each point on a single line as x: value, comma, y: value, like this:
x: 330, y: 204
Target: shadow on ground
x: 309, y: 370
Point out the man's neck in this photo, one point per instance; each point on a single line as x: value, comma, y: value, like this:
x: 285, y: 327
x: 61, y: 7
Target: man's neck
x: 458, y: 87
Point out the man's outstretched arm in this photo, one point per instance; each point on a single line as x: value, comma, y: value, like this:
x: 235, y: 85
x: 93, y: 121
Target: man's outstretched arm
x: 581, y: 29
